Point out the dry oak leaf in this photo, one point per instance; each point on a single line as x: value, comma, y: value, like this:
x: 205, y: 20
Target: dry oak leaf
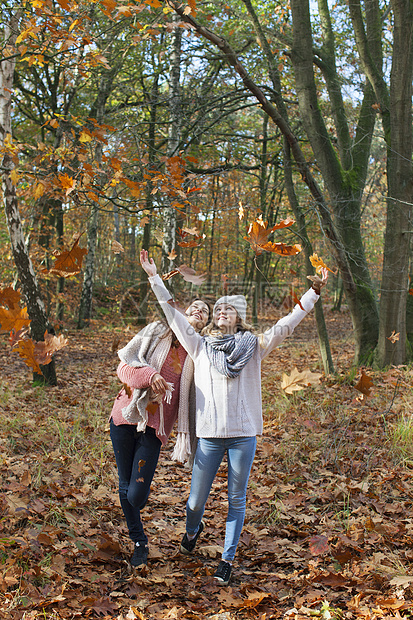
x: 68, y: 262
x: 394, y: 337
x: 25, y: 348
x: 117, y: 247
x: 10, y: 298
x: 318, y: 264
x: 299, y: 380
x: 364, y: 384
x: 14, y: 319
x: 282, y: 249
x: 258, y: 233
x: 253, y: 600
x: 45, y: 349
x: 188, y: 274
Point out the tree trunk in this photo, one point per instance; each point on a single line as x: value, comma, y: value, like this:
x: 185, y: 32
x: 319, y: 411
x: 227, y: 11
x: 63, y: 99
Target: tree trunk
x: 97, y: 111
x: 395, y: 277
x: 174, y: 136
x: 35, y: 307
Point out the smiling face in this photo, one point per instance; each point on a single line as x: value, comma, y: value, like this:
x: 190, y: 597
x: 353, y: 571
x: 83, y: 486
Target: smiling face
x: 198, y: 314
x: 226, y: 318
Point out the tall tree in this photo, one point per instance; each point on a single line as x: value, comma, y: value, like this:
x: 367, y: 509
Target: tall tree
x: 39, y: 323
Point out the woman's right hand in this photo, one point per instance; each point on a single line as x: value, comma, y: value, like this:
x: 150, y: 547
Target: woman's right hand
x: 147, y: 264
x: 158, y: 384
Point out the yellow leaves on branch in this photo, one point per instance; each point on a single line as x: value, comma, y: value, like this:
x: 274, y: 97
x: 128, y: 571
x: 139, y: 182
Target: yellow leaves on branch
x: 68, y: 262
x: 258, y: 233
x: 297, y: 380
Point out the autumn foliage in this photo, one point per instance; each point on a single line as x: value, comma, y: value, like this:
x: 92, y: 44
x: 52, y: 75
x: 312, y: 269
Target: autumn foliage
x: 15, y: 320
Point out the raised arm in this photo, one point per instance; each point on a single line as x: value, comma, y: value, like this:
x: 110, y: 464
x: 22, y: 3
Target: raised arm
x: 177, y: 321
x: 285, y: 326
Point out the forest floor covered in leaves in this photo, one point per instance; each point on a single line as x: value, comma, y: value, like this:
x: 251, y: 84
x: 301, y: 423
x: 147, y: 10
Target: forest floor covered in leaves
x: 329, y: 523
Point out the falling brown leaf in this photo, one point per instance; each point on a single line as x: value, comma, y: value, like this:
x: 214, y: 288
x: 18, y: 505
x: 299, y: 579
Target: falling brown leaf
x: 172, y: 255
x: 14, y: 319
x: 258, y: 233
x: 68, y: 262
x: 45, y: 349
x: 10, y: 298
x: 364, y: 384
x: 188, y: 274
x: 394, y: 337
x: 117, y: 248
x: 297, y: 381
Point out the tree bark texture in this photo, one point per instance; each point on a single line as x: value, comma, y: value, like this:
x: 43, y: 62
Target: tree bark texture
x: 27, y: 277
x: 395, y: 277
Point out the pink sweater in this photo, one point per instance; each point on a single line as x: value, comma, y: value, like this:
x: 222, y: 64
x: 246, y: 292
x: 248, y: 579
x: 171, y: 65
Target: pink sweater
x: 141, y: 378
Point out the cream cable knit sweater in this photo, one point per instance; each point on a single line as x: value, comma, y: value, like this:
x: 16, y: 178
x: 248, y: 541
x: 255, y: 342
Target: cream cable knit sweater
x: 229, y: 407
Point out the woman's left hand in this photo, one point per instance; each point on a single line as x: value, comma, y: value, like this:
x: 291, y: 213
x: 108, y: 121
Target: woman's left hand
x: 147, y: 264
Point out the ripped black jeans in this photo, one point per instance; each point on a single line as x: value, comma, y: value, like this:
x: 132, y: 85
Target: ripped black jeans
x: 136, y: 456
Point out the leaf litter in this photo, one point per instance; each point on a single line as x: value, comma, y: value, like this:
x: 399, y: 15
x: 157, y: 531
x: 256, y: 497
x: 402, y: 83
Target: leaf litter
x: 329, y: 522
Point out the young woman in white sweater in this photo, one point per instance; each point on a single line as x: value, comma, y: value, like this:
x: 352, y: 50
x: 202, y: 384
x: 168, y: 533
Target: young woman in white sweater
x: 227, y: 361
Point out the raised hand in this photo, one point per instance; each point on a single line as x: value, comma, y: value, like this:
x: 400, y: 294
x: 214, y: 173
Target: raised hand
x: 147, y: 264
x: 317, y: 282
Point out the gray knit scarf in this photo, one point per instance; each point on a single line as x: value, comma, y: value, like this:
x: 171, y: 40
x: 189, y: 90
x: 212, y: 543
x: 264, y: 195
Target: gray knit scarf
x: 229, y: 354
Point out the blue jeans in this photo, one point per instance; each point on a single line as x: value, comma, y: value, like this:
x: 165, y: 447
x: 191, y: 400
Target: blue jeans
x: 208, y: 457
x: 136, y: 457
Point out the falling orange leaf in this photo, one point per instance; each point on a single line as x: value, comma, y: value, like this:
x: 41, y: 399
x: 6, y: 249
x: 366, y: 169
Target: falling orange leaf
x: 319, y: 264
x: 14, y: 319
x: 282, y: 249
x: 25, y: 348
x: 69, y: 262
x: 258, y: 233
x: 67, y: 182
x: 127, y: 390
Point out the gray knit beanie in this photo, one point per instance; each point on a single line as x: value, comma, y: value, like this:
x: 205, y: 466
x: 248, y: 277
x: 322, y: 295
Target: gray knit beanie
x: 238, y: 302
